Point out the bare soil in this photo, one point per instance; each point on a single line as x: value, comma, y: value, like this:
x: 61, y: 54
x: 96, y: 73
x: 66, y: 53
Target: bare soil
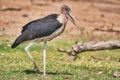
x: 96, y: 17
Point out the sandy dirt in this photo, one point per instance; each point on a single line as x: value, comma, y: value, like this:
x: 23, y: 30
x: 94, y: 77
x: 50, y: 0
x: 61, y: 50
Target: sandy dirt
x: 97, y: 17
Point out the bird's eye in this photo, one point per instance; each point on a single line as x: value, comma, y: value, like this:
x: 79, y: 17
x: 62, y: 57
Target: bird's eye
x: 65, y: 8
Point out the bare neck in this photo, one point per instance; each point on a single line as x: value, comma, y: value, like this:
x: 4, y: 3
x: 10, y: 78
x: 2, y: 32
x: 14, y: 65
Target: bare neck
x: 62, y: 19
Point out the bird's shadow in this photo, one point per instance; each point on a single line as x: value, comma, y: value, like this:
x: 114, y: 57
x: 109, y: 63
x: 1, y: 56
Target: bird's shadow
x: 28, y: 71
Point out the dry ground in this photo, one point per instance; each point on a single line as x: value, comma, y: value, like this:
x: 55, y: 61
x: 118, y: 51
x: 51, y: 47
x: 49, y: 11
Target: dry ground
x: 96, y: 17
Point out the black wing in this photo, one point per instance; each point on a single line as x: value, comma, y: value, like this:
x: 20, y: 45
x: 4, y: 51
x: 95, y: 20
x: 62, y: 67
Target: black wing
x: 51, y: 16
x: 41, y: 29
x: 38, y: 29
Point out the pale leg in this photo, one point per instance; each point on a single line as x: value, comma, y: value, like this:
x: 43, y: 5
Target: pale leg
x: 35, y: 65
x: 44, y: 59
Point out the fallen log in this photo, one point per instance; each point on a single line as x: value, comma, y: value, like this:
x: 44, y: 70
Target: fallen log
x: 89, y: 46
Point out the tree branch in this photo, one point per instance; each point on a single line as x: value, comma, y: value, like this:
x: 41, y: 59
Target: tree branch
x: 90, y: 46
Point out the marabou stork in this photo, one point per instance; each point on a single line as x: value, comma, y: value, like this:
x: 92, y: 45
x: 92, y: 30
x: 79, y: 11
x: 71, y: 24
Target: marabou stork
x: 44, y: 29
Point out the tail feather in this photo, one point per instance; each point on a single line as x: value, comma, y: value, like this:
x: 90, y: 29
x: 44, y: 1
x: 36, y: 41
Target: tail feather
x: 25, y: 36
x: 16, y: 43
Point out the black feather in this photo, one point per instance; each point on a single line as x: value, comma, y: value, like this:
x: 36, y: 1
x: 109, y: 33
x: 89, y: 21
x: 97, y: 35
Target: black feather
x: 37, y: 29
x: 17, y: 42
x: 51, y: 16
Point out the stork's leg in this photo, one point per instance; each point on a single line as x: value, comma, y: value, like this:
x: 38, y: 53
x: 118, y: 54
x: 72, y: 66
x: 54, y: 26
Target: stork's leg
x: 44, y: 58
x: 35, y: 65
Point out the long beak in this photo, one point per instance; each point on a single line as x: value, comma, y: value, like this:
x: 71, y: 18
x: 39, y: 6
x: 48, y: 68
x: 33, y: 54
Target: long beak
x: 73, y: 20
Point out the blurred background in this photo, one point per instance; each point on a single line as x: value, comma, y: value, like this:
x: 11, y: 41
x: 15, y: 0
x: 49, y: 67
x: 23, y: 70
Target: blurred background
x: 99, y: 19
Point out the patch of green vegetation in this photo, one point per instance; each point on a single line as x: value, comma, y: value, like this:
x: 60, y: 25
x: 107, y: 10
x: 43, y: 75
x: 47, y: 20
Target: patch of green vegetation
x: 16, y: 65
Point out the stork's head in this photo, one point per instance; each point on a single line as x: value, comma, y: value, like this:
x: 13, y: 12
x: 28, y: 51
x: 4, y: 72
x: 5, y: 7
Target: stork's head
x: 65, y: 10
